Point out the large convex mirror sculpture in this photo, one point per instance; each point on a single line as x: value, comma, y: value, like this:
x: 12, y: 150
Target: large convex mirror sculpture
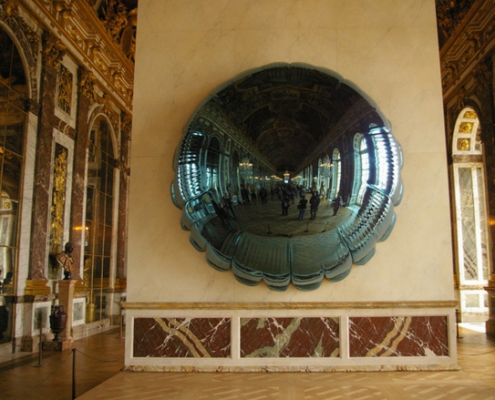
x: 260, y: 144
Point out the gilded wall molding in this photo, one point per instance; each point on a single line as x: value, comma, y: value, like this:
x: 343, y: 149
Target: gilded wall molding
x: 87, y: 85
x: 27, y: 38
x: 53, y: 50
x: 83, y: 34
x: 468, y: 46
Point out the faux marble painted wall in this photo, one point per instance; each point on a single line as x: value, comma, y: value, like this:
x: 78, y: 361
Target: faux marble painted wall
x: 388, y: 48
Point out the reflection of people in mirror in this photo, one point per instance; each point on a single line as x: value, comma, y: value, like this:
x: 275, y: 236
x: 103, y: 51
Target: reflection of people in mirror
x: 285, y: 205
x: 66, y: 261
x: 336, y: 204
x: 314, y: 201
x: 8, y: 278
x: 302, y: 207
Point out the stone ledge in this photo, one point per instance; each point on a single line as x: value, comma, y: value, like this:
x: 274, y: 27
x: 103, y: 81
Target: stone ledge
x: 291, y: 306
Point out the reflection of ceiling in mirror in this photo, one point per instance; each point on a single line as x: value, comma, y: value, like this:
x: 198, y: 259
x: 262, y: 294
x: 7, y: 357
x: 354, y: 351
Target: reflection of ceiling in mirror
x: 288, y: 110
x: 280, y: 129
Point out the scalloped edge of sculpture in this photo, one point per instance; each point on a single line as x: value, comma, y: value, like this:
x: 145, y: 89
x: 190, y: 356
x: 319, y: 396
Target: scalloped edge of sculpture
x: 277, y: 261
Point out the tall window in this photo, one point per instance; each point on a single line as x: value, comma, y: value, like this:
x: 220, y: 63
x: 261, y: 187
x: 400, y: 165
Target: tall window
x: 337, y: 173
x: 470, y: 208
x: 13, y: 95
x: 99, y: 218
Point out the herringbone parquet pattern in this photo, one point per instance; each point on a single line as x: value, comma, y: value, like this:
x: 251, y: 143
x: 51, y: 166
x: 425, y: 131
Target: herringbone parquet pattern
x: 476, y: 381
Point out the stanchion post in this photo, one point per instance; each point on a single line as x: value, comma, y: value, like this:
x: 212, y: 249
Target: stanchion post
x: 73, y: 374
x: 40, y: 355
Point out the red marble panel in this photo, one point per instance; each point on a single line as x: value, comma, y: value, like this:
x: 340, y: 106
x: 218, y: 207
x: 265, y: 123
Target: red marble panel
x: 290, y: 337
x: 182, y: 337
x: 398, y: 336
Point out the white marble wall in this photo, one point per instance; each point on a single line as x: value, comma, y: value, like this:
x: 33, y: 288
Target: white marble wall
x: 388, y: 48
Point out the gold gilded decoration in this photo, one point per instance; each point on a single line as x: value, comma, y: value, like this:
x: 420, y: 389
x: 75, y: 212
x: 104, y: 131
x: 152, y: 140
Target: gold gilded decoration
x: 126, y: 126
x: 121, y: 24
x: 463, y: 144
x: 53, y: 50
x: 470, y: 115
x: 86, y: 85
x: 128, y: 38
x: 466, y: 127
x: 11, y: 9
x: 115, y: 18
x: 36, y: 288
x: 120, y: 284
x: 58, y: 200
x: 65, y: 89
x: 449, y: 15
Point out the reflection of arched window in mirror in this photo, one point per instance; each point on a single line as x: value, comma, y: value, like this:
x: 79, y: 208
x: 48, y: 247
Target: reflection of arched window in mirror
x: 364, y: 168
x: 99, y: 217
x: 213, y: 164
x: 356, y: 181
x: 235, y: 188
x: 325, y: 173
x: 13, y: 99
x: 471, y: 212
x: 337, y: 173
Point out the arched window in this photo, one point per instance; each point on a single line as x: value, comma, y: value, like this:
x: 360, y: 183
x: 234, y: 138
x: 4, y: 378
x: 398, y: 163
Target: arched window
x: 470, y: 210
x: 337, y: 173
x: 99, y: 218
x: 13, y: 117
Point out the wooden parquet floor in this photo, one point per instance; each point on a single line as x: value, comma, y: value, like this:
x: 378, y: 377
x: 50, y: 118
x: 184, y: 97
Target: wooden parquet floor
x: 100, y: 358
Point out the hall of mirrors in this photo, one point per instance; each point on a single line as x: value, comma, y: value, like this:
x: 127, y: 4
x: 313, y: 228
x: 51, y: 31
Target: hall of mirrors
x: 268, y: 143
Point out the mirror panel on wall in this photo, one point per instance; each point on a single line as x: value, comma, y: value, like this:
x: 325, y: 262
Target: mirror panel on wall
x: 13, y: 116
x: 268, y: 179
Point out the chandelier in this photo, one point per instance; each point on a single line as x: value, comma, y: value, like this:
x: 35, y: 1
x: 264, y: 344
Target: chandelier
x: 245, y: 168
x: 326, y: 167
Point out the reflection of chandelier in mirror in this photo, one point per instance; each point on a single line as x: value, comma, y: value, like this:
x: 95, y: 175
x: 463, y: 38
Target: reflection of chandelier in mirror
x: 286, y: 176
x: 246, y: 168
x: 326, y: 167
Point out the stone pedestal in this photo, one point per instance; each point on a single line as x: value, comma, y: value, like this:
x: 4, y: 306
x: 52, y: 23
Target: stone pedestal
x: 66, y: 299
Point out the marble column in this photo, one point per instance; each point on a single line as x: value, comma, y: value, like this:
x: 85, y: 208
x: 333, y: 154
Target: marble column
x: 52, y: 56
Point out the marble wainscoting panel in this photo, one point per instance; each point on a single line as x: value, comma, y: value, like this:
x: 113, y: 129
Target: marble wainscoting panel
x: 406, y: 336
x: 289, y: 337
x: 182, y: 337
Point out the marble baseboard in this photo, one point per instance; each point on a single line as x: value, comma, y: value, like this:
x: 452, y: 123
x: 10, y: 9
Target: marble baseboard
x: 290, y: 340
